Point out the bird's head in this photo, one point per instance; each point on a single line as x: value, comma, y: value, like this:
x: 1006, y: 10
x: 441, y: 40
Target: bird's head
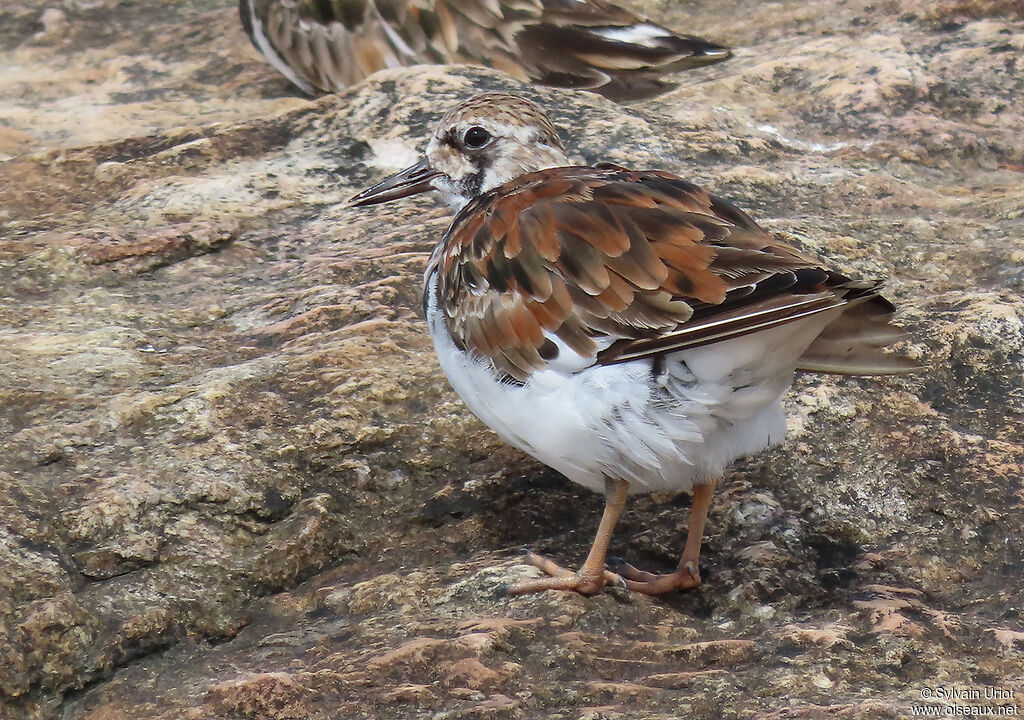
x: 479, y: 145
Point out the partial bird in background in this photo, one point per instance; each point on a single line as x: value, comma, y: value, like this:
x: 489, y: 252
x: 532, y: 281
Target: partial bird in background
x: 324, y: 46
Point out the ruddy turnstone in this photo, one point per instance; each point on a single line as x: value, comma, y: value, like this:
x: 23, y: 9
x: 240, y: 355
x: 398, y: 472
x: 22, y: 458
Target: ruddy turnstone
x: 625, y: 327
x: 327, y: 45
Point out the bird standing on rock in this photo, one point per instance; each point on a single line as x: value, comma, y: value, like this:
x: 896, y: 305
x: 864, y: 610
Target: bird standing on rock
x: 625, y: 327
x: 328, y: 45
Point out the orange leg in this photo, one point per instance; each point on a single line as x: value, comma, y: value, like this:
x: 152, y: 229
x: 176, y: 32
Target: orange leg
x: 592, y: 577
x: 687, y: 575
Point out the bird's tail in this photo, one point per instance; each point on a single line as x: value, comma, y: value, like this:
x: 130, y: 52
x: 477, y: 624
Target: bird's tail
x: 858, y: 342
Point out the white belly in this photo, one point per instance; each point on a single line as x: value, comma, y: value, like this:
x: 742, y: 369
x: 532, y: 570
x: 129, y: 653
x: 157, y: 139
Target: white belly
x: 708, y: 407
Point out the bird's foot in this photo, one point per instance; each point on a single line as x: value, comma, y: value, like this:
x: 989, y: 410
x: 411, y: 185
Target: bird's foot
x: 585, y: 581
x: 686, y: 577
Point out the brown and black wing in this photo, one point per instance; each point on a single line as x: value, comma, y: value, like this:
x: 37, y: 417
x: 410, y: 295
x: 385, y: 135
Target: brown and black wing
x: 622, y: 265
x: 328, y: 45
x: 582, y: 44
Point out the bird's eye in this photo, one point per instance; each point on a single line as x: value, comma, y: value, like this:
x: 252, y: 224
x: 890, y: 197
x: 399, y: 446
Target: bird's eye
x: 476, y: 137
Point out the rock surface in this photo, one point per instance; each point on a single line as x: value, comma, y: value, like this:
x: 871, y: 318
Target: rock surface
x: 234, y: 484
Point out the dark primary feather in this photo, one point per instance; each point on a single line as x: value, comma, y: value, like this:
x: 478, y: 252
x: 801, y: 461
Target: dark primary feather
x: 327, y: 45
x: 644, y: 259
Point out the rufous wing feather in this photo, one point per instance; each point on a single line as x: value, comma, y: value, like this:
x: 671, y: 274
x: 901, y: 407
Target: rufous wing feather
x: 621, y: 265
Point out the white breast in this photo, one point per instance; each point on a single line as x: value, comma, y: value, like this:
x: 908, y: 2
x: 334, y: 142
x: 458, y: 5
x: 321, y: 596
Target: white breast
x: 670, y: 430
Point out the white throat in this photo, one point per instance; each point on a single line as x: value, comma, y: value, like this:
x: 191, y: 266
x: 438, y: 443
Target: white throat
x: 451, y: 192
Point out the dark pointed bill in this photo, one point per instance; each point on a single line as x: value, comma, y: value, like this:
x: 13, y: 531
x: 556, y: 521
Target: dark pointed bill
x: 412, y: 180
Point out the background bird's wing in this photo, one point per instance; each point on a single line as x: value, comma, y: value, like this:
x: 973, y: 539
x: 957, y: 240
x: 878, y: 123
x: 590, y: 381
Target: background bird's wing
x: 327, y: 45
x: 620, y: 265
x: 578, y: 43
